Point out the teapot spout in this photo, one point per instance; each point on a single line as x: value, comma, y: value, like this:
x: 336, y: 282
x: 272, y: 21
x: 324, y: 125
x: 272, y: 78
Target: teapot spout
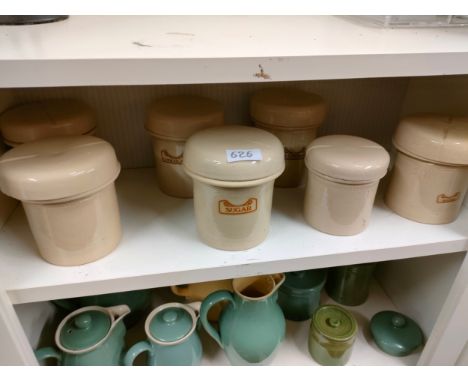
x: 118, y: 312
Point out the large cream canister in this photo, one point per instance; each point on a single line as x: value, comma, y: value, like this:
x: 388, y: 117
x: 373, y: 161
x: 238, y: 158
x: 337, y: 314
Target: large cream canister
x: 294, y: 116
x: 430, y: 176
x: 66, y: 185
x: 344, y: 173
x: 32, y: 121
x: 170, y: 122
x: 233, y: 170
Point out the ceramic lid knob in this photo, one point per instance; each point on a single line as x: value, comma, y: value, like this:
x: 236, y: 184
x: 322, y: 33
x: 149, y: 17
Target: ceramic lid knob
x: 398, y: 321
x: 83, y: 321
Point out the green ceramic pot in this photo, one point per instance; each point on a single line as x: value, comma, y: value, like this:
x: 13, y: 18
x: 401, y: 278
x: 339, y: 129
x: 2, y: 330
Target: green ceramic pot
x: 331, y: 337
x: 91, y: 336
x: 349, y: 285
x: 251, y: 325
x: 299, y: 295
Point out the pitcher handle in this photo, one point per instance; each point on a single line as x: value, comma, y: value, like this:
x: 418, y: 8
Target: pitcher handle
x: 180, y: 290
x: 135, y: 351
x: 207, y: 304
x: 48, y: 352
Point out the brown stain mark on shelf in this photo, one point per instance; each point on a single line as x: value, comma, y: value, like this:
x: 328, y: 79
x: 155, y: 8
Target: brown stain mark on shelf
x: 181, y: 34
x: 262, y: 74
x: 138, y: 43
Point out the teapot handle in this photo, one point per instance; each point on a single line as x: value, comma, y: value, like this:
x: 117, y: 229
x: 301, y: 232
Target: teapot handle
x: 48, y: 352
x: 207, y: 304
x: 135, y: 351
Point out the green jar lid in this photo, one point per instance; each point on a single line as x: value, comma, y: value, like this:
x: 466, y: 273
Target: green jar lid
x: 303, y: 282
x: 395, y: 333
x: 84, y: 330
x: 171, y: 324
x: 334, y: 323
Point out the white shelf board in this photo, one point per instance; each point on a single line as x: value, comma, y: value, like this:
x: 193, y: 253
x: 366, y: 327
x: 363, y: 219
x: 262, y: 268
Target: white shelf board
x: 160, y: 246
x: 293, y: 351
x: 131, y: 50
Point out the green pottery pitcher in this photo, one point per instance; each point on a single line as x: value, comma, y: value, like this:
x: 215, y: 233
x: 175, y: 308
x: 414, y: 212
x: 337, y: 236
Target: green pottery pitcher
x: 90, y: 336
x: 172, y: 337
x: 252, y: 324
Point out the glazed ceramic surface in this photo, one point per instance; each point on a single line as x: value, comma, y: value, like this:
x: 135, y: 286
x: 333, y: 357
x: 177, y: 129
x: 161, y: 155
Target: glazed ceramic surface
x: 299, y: 295
x: 91, y: 336
x: 252, y: 324
x: 66, y: 185
x: 172, y: 338
x: 349, y: 285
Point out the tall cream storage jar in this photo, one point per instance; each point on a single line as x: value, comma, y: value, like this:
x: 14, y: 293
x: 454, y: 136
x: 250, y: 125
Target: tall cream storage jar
x: 430, y: 175
x: 294, y: 116
x: 171, y: 121
x: 43, y: 119
x: 233, y: 170
x: 66, y: 185
x: 344, y: 172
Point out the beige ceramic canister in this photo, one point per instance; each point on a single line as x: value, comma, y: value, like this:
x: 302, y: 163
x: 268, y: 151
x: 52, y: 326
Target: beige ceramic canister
x: 430, y: 175
x: 344, y: 172
x: 66, y: 185
x: 171, y: 121
x: 43, y: 119
x: 294, y: 116
x: 233, y: 170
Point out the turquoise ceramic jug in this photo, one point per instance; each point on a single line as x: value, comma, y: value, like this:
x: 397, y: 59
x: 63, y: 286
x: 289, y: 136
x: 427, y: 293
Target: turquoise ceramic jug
x: 172, y: 337
x: 91, y: 336
x: 252, y: 324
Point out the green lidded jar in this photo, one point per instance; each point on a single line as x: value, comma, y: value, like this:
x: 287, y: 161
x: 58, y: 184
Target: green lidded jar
x: 331, y: 336
x: 349, y: 285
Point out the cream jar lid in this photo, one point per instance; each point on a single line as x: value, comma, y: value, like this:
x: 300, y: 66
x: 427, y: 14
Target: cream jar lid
x: 178, y: 117
x: 213, y: 153
x: 42, y: 119
x: 347, y: 158
x: 57, y: 168
x: 434, y: 137
x: 287, y: 107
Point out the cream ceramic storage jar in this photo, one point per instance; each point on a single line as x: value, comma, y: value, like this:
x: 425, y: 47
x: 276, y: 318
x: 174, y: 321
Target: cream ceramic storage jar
x: 170, y: 122
x: 430, y: 175
x: 344, y: 172
x: 233, y: 170
x: 66, y: 185
x: 43, y: 119
x: 294, y: 116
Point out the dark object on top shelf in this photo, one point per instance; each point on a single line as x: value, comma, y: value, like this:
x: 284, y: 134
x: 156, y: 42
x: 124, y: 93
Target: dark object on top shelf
x: 30, y: 19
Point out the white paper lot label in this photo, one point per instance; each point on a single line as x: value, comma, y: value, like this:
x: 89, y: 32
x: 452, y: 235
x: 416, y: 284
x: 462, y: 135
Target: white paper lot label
x: 243, y: 155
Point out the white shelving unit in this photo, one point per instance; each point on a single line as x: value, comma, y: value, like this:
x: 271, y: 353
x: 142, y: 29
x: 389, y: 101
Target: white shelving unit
x: 160, y: 246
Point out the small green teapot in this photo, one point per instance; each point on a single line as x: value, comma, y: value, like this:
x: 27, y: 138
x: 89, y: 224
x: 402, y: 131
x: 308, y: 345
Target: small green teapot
x: 90, y: 336
x: 172, y: 337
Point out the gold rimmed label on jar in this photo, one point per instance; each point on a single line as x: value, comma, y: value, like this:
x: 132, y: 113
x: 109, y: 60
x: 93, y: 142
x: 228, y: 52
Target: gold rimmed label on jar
x: 294, y: 155
x: 168, y: 158
x: 442, y: 198
x: 225, y: 207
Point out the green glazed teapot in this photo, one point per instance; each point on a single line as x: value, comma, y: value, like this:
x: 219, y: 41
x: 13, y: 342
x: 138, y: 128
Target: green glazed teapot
x: 252, y: 324
x: 90, y: 336
x: 172, y: 337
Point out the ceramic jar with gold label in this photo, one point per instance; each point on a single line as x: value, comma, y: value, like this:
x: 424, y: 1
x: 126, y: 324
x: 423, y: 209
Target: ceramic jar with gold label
x: 43, y: 119
x: 66, y: 185
x: 294, y: 116
x: 430, y: 175
x: 233, y: 170
x: 344, y: 172
x: 171, y: 121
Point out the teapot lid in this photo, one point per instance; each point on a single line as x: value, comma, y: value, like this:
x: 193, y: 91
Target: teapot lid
x: 170, y: 323
x: 84, y: 330
x: 395, y: 333
x: 334, y: 323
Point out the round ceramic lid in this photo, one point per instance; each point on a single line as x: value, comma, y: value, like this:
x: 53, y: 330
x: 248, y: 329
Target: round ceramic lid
x: 347, y: 158
x: 433, y: 137
x: 395, y: 333
x: 178, y: 117
x: 84, y: 330
x: 287, y: 107
x: 334, y: 323
x: 57, y: 168
x: 223, y: 153
x: 41, y: 119
x: 304, y: 281
x: 171, y: 324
